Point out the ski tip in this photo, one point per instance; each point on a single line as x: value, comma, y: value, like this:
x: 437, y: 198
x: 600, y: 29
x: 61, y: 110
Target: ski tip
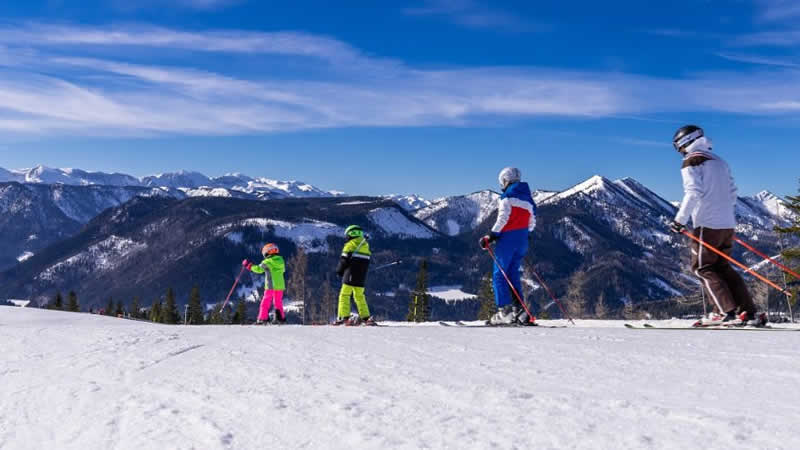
x: 627, y: 325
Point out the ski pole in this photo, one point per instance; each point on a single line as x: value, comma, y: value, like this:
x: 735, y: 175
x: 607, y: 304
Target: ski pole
x: 231, y: 292
x: 511, y: 285
x: 737, y: 263
x: 761, y: 254
x: 549, y: 292
x: 388, y: 265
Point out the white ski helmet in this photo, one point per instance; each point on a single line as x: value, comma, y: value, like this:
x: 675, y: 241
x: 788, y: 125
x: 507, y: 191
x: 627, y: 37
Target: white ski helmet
x: 508, y: 176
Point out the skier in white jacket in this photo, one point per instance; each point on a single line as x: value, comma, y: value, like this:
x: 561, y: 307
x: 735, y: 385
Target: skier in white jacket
x: 709, y: 202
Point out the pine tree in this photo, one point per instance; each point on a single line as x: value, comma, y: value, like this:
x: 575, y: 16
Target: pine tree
x: 297, y: 281
x: 328, y: 301
x: 577, y: 292
x: 240, y: 316
x: 486, y: 296
x: 215, y: 317
x: 72, y: 302
x: 136, y: 312
x: 119, y: 310
x: 419, y: 307
x: 169, y: 313
x: 155, y: 311
x: 600, y: 307
x: 58, y: 302
x: 196, y: 312
x: 792, y: 255
x: 110, y: 307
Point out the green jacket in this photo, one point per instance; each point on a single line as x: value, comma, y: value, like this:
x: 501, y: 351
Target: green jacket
x: 354, y: 263
x: 273, y: 267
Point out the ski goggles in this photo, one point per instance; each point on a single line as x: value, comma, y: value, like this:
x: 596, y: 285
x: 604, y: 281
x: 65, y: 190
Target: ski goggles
x: 686, y: 140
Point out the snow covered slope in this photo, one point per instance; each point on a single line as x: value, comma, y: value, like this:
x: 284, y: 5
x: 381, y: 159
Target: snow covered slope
x: 309, y: 234
x: 75, y: 381
x: 461, y: 214
x: 394, y: 223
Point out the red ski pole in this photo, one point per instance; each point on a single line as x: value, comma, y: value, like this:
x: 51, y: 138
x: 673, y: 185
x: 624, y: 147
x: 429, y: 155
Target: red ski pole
x: 752, y: 249
x: 531, y: 318
x: 550, y: 293
x: 231, y: 292
x: 737, y: 263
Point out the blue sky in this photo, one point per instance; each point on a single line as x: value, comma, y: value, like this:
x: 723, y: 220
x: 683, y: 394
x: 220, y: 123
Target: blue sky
x: 426, y: 96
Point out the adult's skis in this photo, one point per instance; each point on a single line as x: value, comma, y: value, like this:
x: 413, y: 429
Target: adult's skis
x: 460, y: 324
x: 648, y: 326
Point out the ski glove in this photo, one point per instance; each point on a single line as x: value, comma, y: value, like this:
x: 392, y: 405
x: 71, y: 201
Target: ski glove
x: 486, y: 240
x: 247, y: 264
x: 677, y: 227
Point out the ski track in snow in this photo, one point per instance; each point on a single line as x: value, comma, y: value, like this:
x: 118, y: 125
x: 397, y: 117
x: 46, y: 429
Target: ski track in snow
x: 73, y: 381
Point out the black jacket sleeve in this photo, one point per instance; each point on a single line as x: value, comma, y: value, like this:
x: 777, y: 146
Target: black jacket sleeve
x: 343, y: 263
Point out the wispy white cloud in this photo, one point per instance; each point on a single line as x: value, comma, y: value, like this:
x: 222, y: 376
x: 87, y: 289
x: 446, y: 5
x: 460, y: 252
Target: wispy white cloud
x: 778, y: 10
x: 209, y: 4
x: 54, y: 81
x: 681, y: 33
x: 471, y: 13
x: 783, y: 38
x: 633, y: 142
x: 758, y: 60
x: 202, y: 5
x: 279, y: 43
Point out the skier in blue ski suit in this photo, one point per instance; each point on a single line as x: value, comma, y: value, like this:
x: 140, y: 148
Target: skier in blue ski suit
x: 516, y: 219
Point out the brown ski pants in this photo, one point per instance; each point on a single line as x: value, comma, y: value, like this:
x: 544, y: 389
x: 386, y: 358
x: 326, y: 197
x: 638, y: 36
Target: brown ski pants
x: 722, y: 284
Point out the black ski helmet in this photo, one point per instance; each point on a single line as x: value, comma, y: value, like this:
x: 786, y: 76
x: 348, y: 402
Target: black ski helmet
x: 685, y: 136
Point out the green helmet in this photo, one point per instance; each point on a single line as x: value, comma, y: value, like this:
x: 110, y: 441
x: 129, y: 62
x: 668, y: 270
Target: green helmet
x: 354, y: 231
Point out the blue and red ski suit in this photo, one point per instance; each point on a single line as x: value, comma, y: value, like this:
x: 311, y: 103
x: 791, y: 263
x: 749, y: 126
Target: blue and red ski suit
x: 516, y: 218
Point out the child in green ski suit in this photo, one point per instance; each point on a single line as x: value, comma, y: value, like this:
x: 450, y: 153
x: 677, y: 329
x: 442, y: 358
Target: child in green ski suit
x: 273, y: 267
x: 352, y: 268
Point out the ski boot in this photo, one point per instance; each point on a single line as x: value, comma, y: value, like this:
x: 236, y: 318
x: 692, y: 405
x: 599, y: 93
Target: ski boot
x: 278, y: 320
x: 732, y: 319
x: 525, y: 320
x: 505, y: 316
x: 753, y: 319
x: 712, y: 319
x: 341, y: 321
x: 368, y: 322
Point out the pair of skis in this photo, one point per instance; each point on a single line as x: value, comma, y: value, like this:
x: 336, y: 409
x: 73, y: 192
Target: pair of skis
x: 648, y: 326
x: 460, y: 324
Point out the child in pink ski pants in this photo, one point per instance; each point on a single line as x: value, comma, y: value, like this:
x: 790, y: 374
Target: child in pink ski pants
x: 270, y: 296
x: 273, y: 268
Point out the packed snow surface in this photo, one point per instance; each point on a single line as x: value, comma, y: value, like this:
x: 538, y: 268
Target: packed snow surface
x: 77, y: 381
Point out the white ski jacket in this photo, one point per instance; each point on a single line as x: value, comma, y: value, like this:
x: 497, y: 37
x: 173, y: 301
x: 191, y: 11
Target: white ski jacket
x: 709, y: 190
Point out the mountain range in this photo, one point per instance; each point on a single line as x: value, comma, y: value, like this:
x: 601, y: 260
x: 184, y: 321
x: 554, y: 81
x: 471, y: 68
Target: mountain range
x: 193, y: 184
x: 602, y: 244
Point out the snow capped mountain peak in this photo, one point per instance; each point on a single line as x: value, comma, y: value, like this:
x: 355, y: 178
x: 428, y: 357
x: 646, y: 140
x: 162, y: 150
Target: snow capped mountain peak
x: 592, y: 185
x: 645, y: 195
x: 180, y: 179
x: 765, y: 203
x: 76, y: 177
x: 189, y: 182
x: 7, y: 175
x: 410, y: 202
x: 456, y: 215
x: 765, y: 196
